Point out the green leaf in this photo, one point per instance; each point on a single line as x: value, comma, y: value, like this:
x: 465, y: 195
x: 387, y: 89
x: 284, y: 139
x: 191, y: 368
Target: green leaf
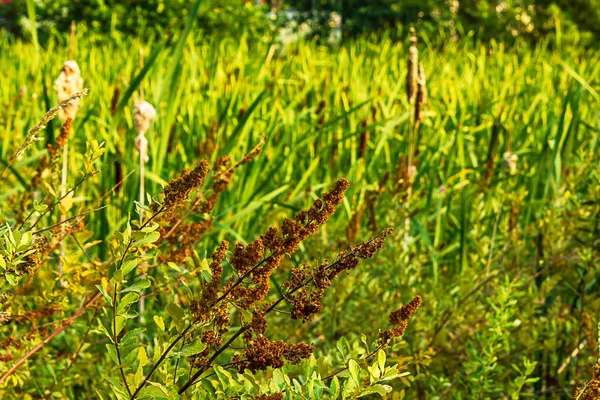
x: 126, y: 301
x: 146, y: 239
x: 381, y: 359
x: 150, y: 228
x: 25, y: 240
x: 131, y: 336
x: 153, y: 392
x: 381, y: 390
x: 354, y: 369
x: 127, y: 234
x: 159, y: 322
x: 138, y: 286
x: 343, y: 346
x: 11, y: 279
x: 105, y: 294
x: 112, y: 353
x: 335, y: 388
x: 128, y: 266
x: 175, y: 311
x: 191, y: 349
x: 120, y: 320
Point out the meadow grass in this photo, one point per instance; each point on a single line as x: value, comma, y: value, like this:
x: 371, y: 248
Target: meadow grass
x: 488, y: 231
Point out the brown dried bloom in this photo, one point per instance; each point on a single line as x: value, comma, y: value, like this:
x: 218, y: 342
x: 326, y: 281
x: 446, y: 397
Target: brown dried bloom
x: 62, y: 138
x: 307, y: 300
x: 399, y: 319
x: 184, y: 235
x: 4, y: 317
x: 32, y: 261
x: 274, y: 396
x: 202, y: 307
x: 261, y: 353
x: 179, y: 189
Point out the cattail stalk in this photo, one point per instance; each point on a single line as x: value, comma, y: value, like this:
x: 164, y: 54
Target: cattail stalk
x: 412, y: 65
x: 416, y: 90
x: 67, y: 84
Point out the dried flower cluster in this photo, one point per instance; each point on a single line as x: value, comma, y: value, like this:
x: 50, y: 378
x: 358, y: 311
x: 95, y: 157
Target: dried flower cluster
x: 179, y: 189
x: 4, y: 317
x: 591, y: 390
x: 399, y: 319
x: 181, y: 235
x: 61, y: 139
x: 274, y: 396
x: 251, y: 262
x: 249, y: 286
x: 305, y: 298
x: 261, y: 353
x: 201, y: 308
x: 67, y: 84
x: 32, y: 261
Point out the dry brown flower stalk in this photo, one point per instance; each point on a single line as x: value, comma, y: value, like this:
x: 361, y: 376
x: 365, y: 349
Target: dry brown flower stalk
x: 399, y: 319
x: 304, y: 291
x: 61, y: 139
x: 182, y: 236
x: 179, y: 189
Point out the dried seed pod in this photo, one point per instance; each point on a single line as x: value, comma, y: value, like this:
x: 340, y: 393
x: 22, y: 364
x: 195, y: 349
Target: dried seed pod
x: 66, y: 85
x: 412, y: 66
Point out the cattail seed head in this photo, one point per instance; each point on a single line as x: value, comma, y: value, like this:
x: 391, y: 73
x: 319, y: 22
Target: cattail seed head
x: 421, y: 93
x: 412, y: 66
x: 66, y: 85
x: 143, y: 115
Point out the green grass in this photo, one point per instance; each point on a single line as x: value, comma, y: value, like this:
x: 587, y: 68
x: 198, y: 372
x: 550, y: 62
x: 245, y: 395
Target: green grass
x: 471, y: 243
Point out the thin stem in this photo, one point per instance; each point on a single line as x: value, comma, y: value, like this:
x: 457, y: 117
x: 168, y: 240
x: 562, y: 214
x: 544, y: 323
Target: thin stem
x: 116, y: 340
x: 142, y: 154
x: 63, y: 191
x: 116, y: 336
x: 161, y: 359
x: 67, y: 220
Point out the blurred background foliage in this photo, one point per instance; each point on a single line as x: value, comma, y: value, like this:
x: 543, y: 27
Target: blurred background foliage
x: 485, y: 19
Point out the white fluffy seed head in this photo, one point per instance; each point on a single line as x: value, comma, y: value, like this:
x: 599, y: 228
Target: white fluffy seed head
x: 143, y: 115
x: 66, y: 85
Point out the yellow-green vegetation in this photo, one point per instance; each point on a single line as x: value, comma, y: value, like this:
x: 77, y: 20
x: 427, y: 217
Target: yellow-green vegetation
x: 492, y: 192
